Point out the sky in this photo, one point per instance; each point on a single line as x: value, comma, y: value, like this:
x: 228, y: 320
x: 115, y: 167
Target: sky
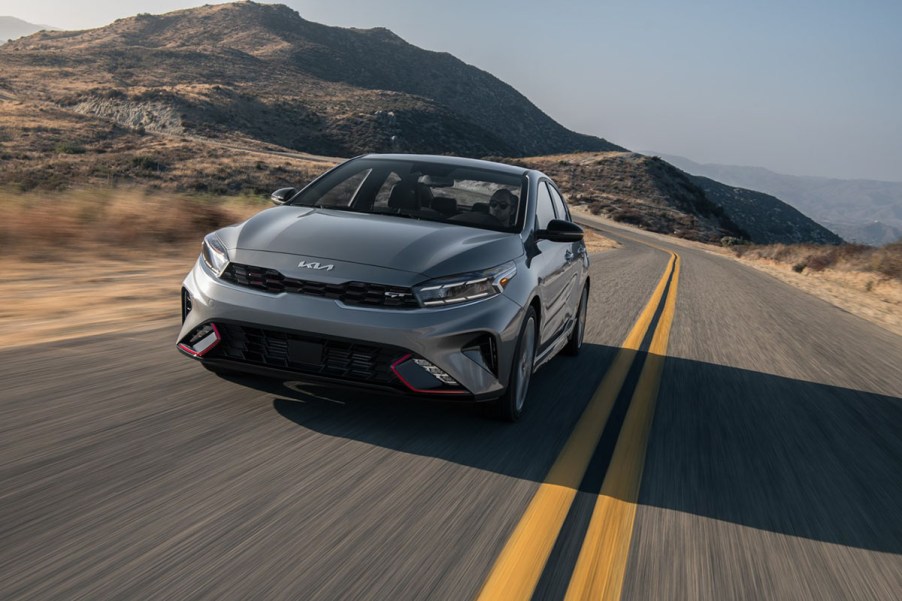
x: 797, y: 86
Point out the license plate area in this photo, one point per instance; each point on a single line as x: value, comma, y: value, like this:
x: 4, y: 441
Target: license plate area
x: 304, y: 352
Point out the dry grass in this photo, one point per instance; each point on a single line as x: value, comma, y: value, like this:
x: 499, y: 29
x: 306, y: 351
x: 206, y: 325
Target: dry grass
x: 112, y: 222
x: 94, y: 261
x: 84, y: 295
x: 884, y: 262
x: 595, y: 242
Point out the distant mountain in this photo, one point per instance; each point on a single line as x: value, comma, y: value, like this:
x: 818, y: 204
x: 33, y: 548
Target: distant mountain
x: 12, y: 28
x: 261, y: 71
x: 652, y: 194
x: 865, y: 211
x: 765, y: 219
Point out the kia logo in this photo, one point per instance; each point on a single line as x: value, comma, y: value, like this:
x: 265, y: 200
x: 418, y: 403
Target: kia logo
x: 313, y: 265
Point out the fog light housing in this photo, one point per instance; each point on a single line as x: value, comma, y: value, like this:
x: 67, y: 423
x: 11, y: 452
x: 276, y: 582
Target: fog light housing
x: 419, y: 375
x: 201, y: 341
x: 187, y: 303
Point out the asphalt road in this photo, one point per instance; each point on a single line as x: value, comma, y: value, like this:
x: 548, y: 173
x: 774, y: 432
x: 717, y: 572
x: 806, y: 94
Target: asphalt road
x: 773, y: 466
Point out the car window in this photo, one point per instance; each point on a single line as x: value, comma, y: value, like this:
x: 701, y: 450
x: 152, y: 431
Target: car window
x: 343, y: 194
x: 544, y: 207
x: 560, y: 208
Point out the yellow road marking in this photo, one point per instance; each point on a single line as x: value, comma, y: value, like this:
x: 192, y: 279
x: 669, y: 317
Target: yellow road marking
x: 601, y: 565
x: 519, y: 566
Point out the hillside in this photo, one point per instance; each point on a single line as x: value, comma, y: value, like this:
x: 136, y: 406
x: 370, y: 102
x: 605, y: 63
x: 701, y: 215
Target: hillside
x: 656, y: 196
x: 193, y: 100
x: 638, y: 190
x: 865, y: 211
x: 263, y: 72
x: 766, y: 219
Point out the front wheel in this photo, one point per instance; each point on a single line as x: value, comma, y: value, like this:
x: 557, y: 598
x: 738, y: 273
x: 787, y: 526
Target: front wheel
x: 509, y: 407
x: 575, y: 342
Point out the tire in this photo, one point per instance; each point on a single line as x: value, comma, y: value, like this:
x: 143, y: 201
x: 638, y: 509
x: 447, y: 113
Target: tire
x: 575, y: 342
x: 510, y: 406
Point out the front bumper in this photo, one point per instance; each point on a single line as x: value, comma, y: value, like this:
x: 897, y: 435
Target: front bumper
x: 307, y: 337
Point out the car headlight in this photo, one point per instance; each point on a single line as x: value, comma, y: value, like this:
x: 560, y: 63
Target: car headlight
x: 465, y: 287
x: 215, y: 254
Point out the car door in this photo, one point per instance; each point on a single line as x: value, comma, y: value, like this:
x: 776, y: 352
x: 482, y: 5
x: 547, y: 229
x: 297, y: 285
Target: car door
x: 551, y: 265
x: 576, y: 258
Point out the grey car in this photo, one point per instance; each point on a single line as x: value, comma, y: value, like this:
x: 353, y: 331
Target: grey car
x: 439, y: 277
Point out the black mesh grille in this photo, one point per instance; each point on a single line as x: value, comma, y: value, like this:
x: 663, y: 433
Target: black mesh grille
x: 351, y: 293
x: 308, y: 354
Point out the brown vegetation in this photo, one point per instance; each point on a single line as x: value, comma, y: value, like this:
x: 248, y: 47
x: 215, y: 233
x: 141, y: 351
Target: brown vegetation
x: 883, y: 262
x: 86, y: 262
x: 46, y: 148
x: 862, y: 280
x: 111, y: 222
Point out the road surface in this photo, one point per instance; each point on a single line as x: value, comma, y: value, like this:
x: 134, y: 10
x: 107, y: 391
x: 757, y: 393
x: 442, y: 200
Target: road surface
x: 770, y: 467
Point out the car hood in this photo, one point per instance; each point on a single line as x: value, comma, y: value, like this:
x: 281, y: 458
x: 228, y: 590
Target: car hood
x: 429, y: 248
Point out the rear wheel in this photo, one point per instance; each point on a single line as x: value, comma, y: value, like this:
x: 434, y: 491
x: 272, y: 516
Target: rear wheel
x: 575, y: 342
x: 510, y: 406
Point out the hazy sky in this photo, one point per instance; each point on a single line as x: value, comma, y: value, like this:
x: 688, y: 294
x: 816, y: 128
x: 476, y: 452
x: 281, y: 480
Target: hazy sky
x: 808, y: 87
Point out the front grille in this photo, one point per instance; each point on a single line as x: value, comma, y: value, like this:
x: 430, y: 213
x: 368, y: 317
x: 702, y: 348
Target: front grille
x: 307, y: 353
x: 351, y: 293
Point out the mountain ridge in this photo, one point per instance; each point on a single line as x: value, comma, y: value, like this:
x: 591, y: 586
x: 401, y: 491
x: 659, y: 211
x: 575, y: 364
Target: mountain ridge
x: 860, y: 210
x: 348, y: 75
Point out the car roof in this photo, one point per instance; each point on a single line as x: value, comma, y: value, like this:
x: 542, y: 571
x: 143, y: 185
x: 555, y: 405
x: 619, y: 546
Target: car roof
x: 451, y: 160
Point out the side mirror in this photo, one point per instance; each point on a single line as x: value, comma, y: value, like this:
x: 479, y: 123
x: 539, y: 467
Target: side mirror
x: 560, y: 231
x: 281, y: 196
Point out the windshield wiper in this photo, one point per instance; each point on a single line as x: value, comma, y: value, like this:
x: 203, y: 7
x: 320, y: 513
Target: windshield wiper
x: 397, y: 213
x: 338, y: 208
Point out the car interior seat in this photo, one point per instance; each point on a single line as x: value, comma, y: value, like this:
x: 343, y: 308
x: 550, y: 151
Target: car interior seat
x: 445, y: 205
x: 403, y: 197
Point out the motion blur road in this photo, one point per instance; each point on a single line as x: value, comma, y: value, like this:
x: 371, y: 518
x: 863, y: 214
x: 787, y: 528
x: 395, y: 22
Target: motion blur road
x: 772, y: 469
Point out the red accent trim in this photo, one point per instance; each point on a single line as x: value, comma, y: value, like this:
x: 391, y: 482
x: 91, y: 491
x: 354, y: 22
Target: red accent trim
x: 194, y: 353
x: 406, y: 383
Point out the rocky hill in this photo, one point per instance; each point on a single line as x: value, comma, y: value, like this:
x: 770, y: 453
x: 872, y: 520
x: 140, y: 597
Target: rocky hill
x: 654, y: 195
x: 263, y: 72
x: 638, y: 190
x: 866, y: 211
x: 766, y: 219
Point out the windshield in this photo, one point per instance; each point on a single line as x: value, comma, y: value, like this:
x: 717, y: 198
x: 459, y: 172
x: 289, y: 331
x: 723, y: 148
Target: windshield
x: 469, y: 196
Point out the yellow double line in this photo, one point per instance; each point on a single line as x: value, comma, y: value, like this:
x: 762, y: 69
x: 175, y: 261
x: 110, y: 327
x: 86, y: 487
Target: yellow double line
x: 601, y: 564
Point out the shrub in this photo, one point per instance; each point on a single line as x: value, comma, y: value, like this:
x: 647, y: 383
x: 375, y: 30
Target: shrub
x: 630, y: 216
x: 69, y: 148
x: 819, y: 262
x: 148, y: 163
x: 731, y: 241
